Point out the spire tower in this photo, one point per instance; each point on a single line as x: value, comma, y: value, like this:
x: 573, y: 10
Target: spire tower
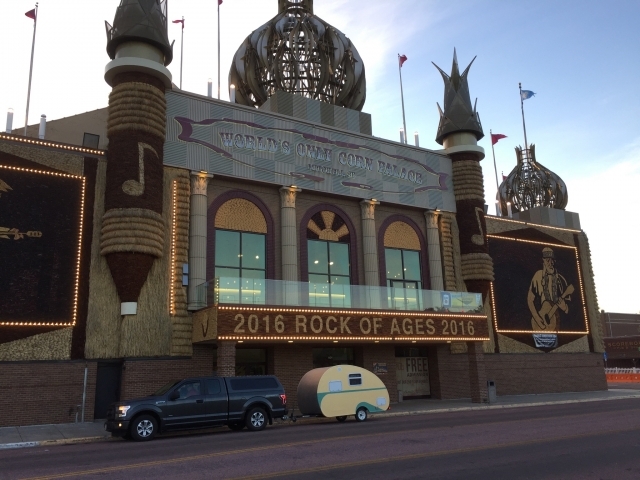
x: 459, y: 131
x: 132, y: 226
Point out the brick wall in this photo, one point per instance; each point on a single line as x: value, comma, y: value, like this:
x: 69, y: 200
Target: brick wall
x: 290, y: 363
x: 517, y: 374
x: 449, y: 374
x: 226, y: 359
x: 37, y: 393
x: 382, y: 354
x: 143, y: 377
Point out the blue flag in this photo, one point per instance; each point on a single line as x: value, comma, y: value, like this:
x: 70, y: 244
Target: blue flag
x: 525, y: 94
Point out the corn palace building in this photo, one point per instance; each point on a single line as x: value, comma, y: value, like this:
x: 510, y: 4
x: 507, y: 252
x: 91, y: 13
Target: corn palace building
x: 174, y: 234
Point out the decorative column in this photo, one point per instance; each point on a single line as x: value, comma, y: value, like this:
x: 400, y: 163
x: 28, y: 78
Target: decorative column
x: 433, y: 248
x: 289, y: 233
x: 369, y: 243
x: 133, y: 228
x: 370, y: 249
x: 198, y: 239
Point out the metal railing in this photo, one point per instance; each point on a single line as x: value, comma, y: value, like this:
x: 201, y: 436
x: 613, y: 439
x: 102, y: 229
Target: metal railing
x: 232, y: 290
x: 622, y: 370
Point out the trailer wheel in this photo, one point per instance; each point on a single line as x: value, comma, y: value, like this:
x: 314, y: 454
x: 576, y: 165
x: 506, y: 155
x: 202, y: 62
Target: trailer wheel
x: 361, y: 414
x: 341, y: 418
x: 256, y: 419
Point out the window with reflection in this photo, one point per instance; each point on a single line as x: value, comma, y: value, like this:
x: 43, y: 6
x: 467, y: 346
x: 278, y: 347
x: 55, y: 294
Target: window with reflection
x: 328, y: 260
x: 240, y: 266
x: 404, y: 278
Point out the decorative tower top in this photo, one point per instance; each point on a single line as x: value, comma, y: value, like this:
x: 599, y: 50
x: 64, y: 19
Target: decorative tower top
x: 458, y: 115
x: 531, y: 184
x: 140, y: 21
x: 299, y: 53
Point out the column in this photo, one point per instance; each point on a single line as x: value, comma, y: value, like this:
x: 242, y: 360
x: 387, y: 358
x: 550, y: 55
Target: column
x: 372, y: 292
x: 433, y: 248
x: 369, y: 243
x: 477, y: 373
x: 289, y: 233
x: 226, y: 359
x: 198, y: 240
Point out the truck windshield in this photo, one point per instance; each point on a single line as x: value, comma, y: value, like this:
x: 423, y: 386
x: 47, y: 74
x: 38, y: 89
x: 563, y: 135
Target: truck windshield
x: 166, y: 388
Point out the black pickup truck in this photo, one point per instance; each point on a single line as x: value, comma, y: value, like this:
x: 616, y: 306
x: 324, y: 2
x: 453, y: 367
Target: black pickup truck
x: 203, y: 402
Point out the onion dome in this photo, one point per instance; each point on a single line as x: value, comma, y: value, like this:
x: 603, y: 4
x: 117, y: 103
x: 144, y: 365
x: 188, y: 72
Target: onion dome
x: 140, y: 21
x: 530, y: 184
x: 458, y: 115
x: 298, y: 53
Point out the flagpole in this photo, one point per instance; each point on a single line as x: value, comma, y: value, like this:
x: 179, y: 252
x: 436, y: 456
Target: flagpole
x: 181, y: 52
x: 33, y: 45
x: 524, y: 127
x: 495, y: 169
x: 218, y: 50
x: 404, y: 121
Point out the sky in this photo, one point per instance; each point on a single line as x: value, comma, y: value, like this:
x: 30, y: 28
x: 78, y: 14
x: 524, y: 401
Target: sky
x: 579, y: 57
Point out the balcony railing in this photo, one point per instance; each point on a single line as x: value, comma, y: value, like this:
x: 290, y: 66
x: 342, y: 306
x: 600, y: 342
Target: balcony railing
x: 250, y: 291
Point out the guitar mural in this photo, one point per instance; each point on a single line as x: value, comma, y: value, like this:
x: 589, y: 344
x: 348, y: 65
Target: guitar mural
x: 40, y: 227
x: 548, y: 293
x: 537, y: 290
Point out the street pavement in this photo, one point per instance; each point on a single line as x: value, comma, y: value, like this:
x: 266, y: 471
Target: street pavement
x: 585, y: 440
x: 44, y: 435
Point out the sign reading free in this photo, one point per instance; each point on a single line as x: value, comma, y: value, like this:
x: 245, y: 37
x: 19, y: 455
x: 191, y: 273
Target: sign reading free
x: 273, y: 323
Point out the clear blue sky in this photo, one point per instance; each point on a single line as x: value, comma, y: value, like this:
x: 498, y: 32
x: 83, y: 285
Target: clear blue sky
x: 580, y: 57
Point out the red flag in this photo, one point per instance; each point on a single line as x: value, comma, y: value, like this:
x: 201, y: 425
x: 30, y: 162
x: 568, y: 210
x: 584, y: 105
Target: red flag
x: 179, y: 21
x: 496, y: 137
x: 219, y: 2
x: 31, y: 14
x: 402, y: 59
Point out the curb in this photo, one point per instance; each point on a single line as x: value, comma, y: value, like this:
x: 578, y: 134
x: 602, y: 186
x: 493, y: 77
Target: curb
x: 498, y: 407
x: 104, y: 438
x: 47, y: 443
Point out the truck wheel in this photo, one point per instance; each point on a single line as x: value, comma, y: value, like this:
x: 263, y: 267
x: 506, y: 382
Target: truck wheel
x: 256, y: 419
x: 341, y: 418
x: 361, y: 414
x: 236, y: 427
x: 143, y: 428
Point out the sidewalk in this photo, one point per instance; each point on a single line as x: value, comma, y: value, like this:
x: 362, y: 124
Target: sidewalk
x: 42, y: 435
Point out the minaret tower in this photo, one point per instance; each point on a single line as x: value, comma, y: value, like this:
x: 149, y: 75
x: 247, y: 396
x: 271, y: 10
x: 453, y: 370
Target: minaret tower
x: 459, y: 132
x: 132, y: 226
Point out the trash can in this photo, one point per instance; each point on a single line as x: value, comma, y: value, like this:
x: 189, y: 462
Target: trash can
x: 491, y: 391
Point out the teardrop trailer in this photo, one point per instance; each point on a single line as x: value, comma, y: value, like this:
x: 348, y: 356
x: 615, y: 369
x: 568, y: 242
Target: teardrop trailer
x: 341, y: 391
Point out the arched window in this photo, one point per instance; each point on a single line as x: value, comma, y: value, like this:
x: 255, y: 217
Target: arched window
x: 403, y: 261
x: 328, y: 260
x: 240, y: 263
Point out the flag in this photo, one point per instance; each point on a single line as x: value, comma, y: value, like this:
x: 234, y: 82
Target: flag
x: 31, y: 14
x: 525, y: 94
x: 219, y: 2
x: 402, y: 59
x: 179, y: 21
x: 496, y: 137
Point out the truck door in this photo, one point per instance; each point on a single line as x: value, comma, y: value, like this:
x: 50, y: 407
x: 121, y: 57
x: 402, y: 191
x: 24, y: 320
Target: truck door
x: 188, y: 410
x: 216, y: 401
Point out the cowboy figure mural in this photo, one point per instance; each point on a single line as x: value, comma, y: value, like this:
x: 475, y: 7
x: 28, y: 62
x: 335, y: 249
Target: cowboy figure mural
x: 548, y: 295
